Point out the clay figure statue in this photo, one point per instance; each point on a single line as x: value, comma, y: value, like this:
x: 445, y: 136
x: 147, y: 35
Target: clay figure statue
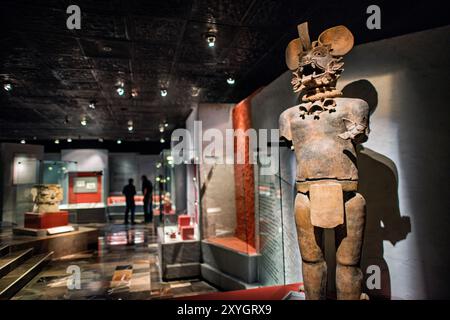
x: 324, y: 130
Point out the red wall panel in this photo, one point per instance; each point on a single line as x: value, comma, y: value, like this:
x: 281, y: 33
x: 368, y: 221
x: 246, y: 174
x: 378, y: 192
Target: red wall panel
x: 85, y: 197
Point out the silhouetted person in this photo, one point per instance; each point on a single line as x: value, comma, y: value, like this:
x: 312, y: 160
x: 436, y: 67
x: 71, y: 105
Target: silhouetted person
x: 147, y: 191
x: 129, y: 191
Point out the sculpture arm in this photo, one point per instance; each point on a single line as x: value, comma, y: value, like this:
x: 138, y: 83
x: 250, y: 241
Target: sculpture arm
x: 357, y: 123
x: 285, y: 125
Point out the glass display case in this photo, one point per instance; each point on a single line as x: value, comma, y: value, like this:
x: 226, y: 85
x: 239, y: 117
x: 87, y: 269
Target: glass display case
x: 41, y: 193
x: 176, y: 224
x: 178, y: 232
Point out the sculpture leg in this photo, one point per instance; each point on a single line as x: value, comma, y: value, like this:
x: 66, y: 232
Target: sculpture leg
x: 349, y: 238
x: 310, y: 241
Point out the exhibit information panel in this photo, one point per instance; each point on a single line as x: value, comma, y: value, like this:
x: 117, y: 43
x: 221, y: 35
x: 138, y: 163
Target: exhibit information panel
x: 271, y: 263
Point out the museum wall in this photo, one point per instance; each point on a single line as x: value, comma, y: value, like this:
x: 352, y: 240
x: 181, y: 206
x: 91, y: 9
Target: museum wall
x: 403, y: 166
x: 10, y: 193
x: 89, y: 160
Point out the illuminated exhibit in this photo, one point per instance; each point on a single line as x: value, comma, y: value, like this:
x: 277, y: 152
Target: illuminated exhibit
x: 224, y: 150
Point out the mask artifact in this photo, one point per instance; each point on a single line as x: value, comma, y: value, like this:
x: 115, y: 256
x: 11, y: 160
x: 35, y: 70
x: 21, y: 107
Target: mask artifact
x: 324, y: 130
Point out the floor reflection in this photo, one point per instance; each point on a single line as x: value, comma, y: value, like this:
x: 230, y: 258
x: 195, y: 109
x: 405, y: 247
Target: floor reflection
x: 125, y: 266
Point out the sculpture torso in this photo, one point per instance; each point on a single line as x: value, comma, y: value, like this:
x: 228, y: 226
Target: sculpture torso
x: 320, y: 151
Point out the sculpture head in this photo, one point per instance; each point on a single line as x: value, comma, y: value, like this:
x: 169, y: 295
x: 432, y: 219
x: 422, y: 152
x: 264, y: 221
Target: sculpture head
x: 316, y: 66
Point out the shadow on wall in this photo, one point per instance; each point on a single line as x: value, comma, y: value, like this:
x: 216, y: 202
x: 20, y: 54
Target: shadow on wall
x: 378, y: 183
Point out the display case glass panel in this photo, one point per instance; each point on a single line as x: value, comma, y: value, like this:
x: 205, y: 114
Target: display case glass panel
x: 229, y: 218
x: 176, y: 225
x: 41, y: 187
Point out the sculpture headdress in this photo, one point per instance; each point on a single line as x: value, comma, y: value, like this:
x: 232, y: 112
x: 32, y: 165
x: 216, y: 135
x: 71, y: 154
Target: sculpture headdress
x: 317, y: 65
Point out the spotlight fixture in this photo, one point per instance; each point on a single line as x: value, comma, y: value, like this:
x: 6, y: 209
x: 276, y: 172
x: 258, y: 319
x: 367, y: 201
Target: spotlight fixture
x: 120, y: 91
x: 211, y: 39
x: 166, y: 124
x: 23, y: 141
x: 7, y: 86
x: 134, y: 93
x: 231, y: 81
x: 158, y: 179
x: 161, y: 128
x: 158, y: 165
x: 162, y: 140
x: 163, y: 92
x: 92, y: 104
x: 119, y: 141
x: 100, y: 139
x: 195, y: 91
x: 69, y: 140
x: 57, y: 141
x: 130, y: 126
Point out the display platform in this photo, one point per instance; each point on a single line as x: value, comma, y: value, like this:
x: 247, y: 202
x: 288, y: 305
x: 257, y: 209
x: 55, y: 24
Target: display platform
x: 46, y: 220
x: 63, y: 244
x: 87, y: 212
x: 179, y: 259
x: 263, y: 293
x: 228, y: 268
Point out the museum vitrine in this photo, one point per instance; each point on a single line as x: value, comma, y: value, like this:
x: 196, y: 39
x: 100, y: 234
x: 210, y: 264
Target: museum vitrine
x: 41, y: 191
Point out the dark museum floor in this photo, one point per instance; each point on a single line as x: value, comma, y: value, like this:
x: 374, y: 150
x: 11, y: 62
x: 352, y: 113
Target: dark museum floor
x: 125, y: 266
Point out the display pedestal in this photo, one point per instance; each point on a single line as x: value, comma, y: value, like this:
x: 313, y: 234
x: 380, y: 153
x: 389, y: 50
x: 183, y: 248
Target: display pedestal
x: 229, y: 269
x: 179, y: 259
x: 46, y: 220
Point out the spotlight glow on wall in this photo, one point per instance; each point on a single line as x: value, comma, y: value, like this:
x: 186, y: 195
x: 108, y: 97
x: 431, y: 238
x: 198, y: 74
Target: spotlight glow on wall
x: 164, y: 92
x: 8, y: 86
x: 231, y: 81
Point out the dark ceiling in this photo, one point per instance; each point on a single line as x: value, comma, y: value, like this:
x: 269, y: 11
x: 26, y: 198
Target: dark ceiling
x: 148, y: 45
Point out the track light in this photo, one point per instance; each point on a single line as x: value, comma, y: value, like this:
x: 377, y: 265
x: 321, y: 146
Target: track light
x: 7, y: 87
x: 231, y: 81
x: 92, y: 104
x: 163, y: 92
x: 211, y: 39
x: 130, y: 126
x: 120, y: 91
